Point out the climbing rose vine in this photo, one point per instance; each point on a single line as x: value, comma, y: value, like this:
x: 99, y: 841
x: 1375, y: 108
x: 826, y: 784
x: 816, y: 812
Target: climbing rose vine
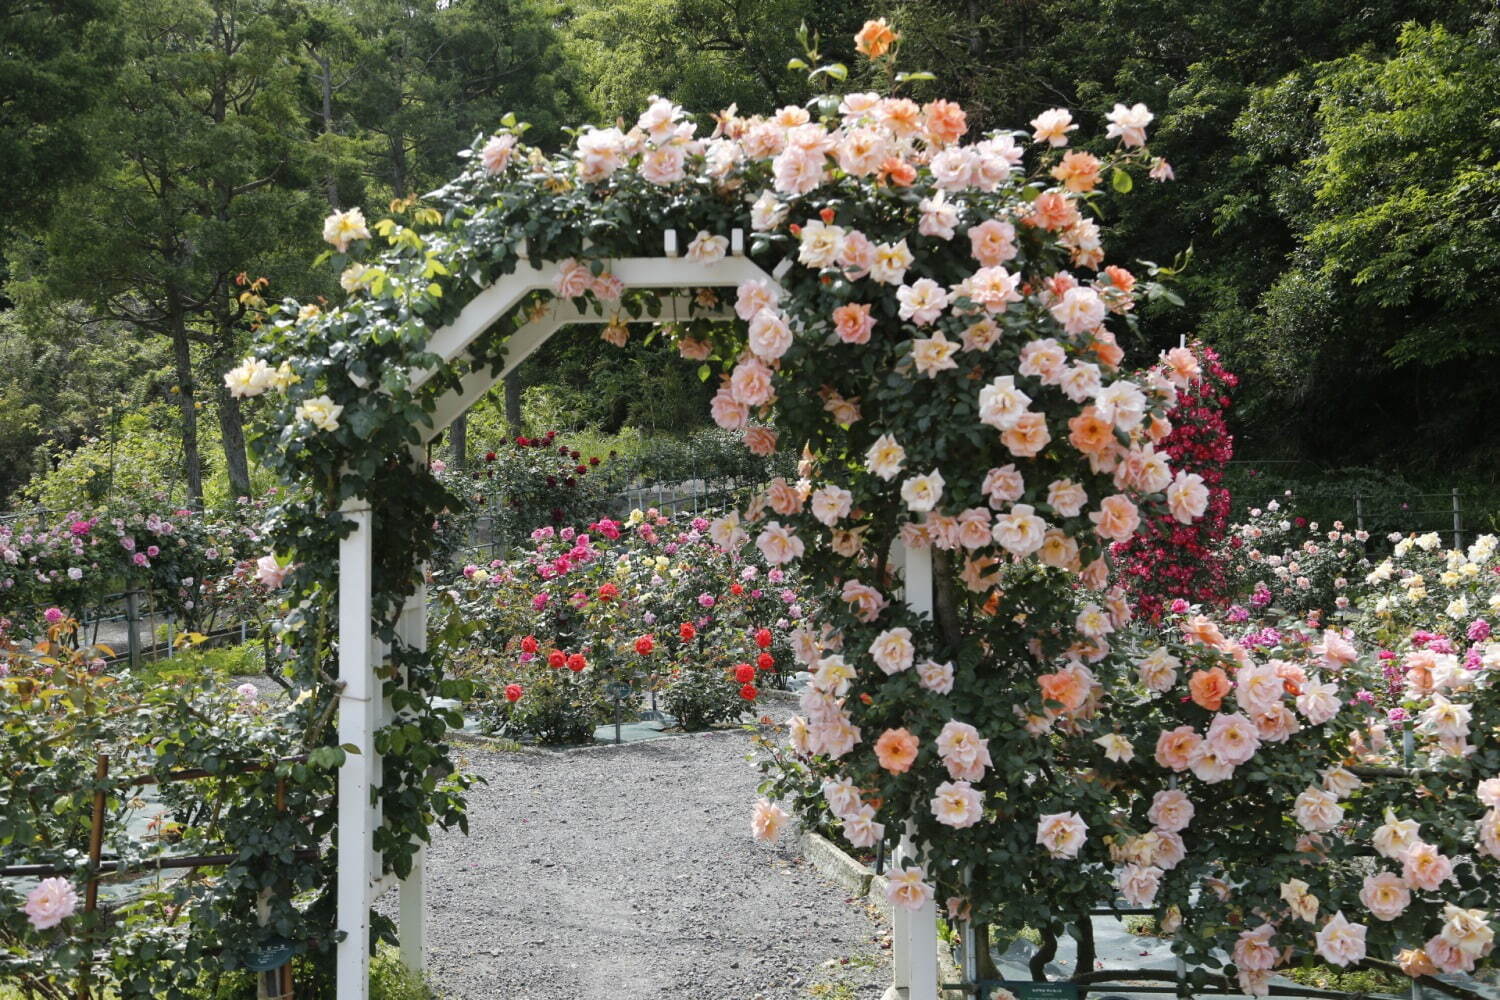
x: 935, y: 332
x: 1168, y: 559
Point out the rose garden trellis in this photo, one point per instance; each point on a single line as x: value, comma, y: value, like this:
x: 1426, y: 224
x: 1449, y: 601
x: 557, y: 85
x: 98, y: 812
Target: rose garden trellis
x: 876, y: 346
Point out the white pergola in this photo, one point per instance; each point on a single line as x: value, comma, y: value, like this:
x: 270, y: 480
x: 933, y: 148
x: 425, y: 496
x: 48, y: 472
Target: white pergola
x: 361, y: 877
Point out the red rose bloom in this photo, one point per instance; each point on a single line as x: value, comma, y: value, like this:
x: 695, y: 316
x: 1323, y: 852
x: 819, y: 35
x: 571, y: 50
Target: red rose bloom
x: 490, y: 456
x: 765, y: 661
x: 513, y: 693
x: 556, y: 658
x: 529, y: 644
x: 744, y: 673
x: 521, y: 442
x: 576, y: 663
x: 594, y: 460
x: 644, y: 645
x: 608, y: 592
x: 736, y: 589
x: 687, y: 632
x: 763, y: 638
x: 749, y: 693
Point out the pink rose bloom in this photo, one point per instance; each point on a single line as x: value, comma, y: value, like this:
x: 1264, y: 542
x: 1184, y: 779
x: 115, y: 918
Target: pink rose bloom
x: 1171, y: 810
x: 1385, y: 895
x: 1062, y: 834
x: 693, y: 349
x: 1447, y: 957
x: 1340, y: 942
x: 1318, y: 702
x: 53, y: 615
x: 1317, y: 811
x: 1258, y: 688
x: 270, y: 572
x: 867, y: 601
x: 1003, y: 486
x: 1187, y: 497
x: 935, y: 677
x: 1488, y: 792
x: 1139, y: 884
x: 1335, y: 650
x: 574, y: 278
x: 248, y: 693
x: 539, y: 602
x: 663, y: 166
x: 754, y: 295
x: 853, y: 323
x: 50, y: 903
x: 497, y: 152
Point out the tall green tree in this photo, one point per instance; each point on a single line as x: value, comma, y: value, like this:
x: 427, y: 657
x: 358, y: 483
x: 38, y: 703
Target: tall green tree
x: 201, y: 141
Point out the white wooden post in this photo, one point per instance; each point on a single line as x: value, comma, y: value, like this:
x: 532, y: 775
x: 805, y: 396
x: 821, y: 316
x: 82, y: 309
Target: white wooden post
x: 914, y: 970
x: 357, y: 706
x: 412, y: 925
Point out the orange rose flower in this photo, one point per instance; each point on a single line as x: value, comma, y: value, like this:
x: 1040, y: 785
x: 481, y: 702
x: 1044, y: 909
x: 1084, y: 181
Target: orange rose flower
x: 896, y: 749
x: 1209, y: 688
x: 875, y: 39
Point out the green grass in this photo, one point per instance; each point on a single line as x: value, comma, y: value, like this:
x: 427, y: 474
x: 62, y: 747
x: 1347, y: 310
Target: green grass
x: 217, y: 664
x: 1326, y: 977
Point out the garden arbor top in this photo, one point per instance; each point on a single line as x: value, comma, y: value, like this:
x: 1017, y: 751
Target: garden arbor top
x: 897, y: 284
x: 933, y: 327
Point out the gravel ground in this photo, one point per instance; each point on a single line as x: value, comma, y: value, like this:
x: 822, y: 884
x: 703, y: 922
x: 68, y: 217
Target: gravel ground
x: 629, y: 872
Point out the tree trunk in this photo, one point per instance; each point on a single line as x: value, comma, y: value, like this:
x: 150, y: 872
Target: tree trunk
x: 512, y: 404
x: 186, y: 401
x: 945, y: 601
x: 232, y: 430
x: 458, y: 441
x: 325, y: 82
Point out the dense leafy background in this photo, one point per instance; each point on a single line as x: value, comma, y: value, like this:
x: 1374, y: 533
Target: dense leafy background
x: 1337, y: 182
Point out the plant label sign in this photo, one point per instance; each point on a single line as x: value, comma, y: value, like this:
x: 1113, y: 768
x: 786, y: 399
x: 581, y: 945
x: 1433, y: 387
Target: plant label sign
x: 1033, y: 991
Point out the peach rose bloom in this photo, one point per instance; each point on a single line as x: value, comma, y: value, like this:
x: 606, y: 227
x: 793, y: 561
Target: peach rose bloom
x: 1059, y: 551
x: 1044, y: 359
x: 750, y: 382
x: 1208, y: 688
x: 1067, y: 687
x: 1340, y: 942
x: 860, y: 828
x: 945, y: 122
x: 1062, y: 834
x: 1258, y: 689
x: 728, y: 412
x: 867, y: 601
x: 897, y: 750
x: 1446, y: 957
x: 1054, y: 212
x: 1201, y: 630
x: 857, y: 255
x: 1385, y: 895
x: 785, y: 498
x: 1052, y: 126
x: 1175, y: 747
x: 1317, y: 811
x: 963, y: 751
x: 1277, y: 725
x: 993, y: 242
x: 1414, y: 962
x: 957, y: 804
x: 875, y: 39
x: 1027, y: 436
x: 853, y: 323
x: 903, y: 117
x: 907, y: 888
x: 1091, y: 434
x: 778, y: 545
x: 1171, y: 810
x: 760, y: 440
x: 1116, y: 517
x: 1078, y: 171
x: 767, y: 820
x: 1467, y: 930
x: 1233, y: 738
x: 1423, y: 867
x: 693, y: 349
x: 1187, y: 497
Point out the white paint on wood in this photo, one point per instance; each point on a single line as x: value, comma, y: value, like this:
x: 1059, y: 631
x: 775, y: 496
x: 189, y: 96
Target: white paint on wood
x: 357, y: 704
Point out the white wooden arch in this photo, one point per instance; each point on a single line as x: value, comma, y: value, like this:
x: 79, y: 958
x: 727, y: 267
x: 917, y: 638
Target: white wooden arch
x: 362, y: 711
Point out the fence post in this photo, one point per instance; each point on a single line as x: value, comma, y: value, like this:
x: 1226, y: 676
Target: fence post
x: 96, y: 850
x: 1458, y: 524
x: 1359, y: 512
x: 132, y: 626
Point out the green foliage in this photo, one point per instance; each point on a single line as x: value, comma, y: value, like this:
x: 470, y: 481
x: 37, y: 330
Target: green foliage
x: 136, y: 463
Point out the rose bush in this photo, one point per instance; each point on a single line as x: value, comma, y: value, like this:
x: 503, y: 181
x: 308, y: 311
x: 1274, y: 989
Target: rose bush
x: 653, y: 602
x: 941, y: 345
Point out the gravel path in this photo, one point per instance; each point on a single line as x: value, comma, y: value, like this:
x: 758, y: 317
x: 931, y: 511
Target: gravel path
x: 629, y: 874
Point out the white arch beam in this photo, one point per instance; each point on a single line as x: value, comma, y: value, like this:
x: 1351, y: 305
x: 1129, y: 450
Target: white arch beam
x: 525, y: 341
x: 670, y: 271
